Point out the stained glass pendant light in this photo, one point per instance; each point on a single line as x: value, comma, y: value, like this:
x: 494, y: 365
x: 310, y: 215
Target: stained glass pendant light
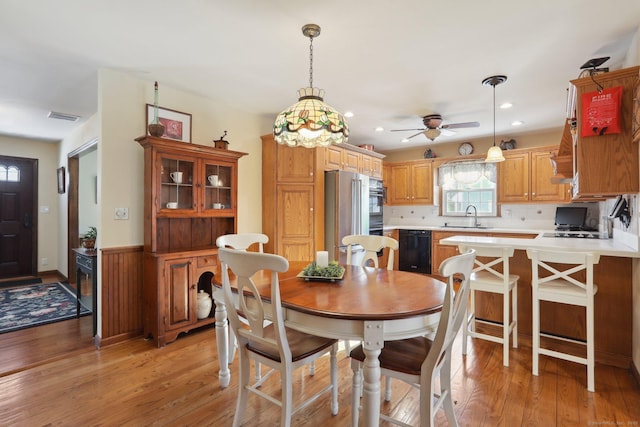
x: 310, y: 122
x: 494, y: 154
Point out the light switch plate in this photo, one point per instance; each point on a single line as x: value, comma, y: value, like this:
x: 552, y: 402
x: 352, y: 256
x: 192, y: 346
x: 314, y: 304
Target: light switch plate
x: 121, y: 213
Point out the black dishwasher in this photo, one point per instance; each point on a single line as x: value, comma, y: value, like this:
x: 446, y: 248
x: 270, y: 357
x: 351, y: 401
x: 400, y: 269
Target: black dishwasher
x: 415, y: 251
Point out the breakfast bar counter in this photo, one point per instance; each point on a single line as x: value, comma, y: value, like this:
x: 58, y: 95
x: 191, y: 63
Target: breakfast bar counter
x: 614, y: 310
x: 603, y: 247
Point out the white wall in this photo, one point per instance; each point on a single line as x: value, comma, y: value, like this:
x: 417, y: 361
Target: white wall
x: 47, y: 155
x: 122, y: 99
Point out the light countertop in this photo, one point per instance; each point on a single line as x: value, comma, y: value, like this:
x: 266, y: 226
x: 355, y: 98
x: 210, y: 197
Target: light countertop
x: 607, y: 247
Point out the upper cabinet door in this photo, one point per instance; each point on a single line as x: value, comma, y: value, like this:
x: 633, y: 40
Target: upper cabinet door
x: 513, y: 178
x: 218, y: 185
x: 542, y: 189
x: 295, y: 164
x: 176, y: 181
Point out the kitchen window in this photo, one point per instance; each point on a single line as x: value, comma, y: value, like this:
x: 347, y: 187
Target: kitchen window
x: 468, y: 183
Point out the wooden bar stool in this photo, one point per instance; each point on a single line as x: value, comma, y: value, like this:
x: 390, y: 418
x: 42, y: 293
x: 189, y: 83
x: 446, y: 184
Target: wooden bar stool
x: 561, y: 285
x: 491, y: 274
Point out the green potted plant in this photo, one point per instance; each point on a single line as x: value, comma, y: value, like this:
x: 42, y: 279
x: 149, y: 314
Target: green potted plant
x: 89, y: 239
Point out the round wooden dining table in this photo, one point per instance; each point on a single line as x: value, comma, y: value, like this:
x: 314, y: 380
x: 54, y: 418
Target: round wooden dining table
x: 368, y: 304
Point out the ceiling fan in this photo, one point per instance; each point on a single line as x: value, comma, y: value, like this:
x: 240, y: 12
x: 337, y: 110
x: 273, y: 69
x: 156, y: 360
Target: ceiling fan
x: 434, y: 127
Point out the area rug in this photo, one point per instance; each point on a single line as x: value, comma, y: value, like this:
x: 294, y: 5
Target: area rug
x: 20, y: 282
x: 27, y: 306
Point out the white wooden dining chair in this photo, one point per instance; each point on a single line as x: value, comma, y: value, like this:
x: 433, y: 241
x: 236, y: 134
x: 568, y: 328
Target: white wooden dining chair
x: 371, y: 245
x: 242, y: 242
x: 558, y: 283
x: 274, y: 345
x: 491, y: 274
x: 421, y: 361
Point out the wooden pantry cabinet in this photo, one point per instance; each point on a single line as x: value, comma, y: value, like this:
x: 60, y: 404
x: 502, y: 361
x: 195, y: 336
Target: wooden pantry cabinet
x: 292, y: 199
x: 525, y: 176
x: 607, y: 165
x: 293, y: 192
x: 190, y: 198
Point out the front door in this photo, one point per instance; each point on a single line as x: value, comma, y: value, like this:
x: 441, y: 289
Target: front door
x: 18, y: 216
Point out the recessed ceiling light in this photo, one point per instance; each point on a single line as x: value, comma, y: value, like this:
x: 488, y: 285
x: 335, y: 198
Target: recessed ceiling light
x: 379, y: 129
x: 348, y: 114
x: 404, y: 140
x: 517, y: 123
x: 506, y: 105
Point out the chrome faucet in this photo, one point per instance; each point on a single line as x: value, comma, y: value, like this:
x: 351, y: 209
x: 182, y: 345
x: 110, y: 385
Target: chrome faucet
x: 475, y: 215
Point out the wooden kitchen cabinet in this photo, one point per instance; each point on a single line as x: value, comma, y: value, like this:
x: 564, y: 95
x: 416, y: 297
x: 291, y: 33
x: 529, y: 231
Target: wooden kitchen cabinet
x: 184, y: 213
x: 513, y: 178
x: 411, y: 183
x: 441, y: 252
x: 296, y: 222
x: 607, y: 165
x: 382, y: 261
x: 386, y: 180
x: 376, y: 167
x: 339, y: 158
x: 353, y: 159
x: 525, y: 176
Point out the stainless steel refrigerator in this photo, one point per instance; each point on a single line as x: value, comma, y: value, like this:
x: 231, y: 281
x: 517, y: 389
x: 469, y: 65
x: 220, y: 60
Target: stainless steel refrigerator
x: 346, y: 211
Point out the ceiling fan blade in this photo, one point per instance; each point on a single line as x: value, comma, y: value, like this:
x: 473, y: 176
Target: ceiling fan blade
x: 416, y: 134
x: 446, y: 132
x: 404, y: 130
x: 461, y: 125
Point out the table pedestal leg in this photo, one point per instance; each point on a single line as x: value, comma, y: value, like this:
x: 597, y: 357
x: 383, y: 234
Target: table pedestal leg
x: 371, y: 395
x: 222, y: 341
x: 372, y: 344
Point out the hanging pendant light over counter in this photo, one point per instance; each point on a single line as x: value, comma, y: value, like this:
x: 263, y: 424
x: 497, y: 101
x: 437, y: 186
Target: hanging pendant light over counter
x: 310, y: 122
x: 495, y: 153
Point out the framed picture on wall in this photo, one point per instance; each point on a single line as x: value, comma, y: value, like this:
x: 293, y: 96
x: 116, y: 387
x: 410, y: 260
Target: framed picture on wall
x: 61, y: 183
x: 177, y: 125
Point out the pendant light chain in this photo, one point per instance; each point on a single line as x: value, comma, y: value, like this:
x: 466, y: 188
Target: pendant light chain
x: 310, y: 61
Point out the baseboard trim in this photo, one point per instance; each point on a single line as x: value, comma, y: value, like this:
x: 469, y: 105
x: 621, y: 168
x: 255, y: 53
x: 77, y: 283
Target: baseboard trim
x: 635, y: 373
x: 119, y: 338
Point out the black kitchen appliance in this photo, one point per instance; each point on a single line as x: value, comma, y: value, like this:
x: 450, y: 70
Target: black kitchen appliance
x: 376, y: 202
x: 570, y: 218
x: 415, y: 251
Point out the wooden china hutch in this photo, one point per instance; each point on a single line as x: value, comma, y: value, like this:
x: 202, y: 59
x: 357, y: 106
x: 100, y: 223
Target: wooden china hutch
x: 190, y: 198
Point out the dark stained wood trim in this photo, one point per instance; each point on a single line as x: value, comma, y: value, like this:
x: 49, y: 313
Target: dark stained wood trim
x: 122, y: 275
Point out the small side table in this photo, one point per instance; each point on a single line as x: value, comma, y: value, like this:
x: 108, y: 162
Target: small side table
x: 87, y: 262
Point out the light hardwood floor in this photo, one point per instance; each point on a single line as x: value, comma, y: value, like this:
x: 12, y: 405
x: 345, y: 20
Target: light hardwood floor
x: 135, y: 384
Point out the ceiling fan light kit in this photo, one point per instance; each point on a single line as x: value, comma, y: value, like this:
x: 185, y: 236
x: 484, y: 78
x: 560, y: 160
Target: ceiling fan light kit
x: 310, y: 122
x: 494, y: 154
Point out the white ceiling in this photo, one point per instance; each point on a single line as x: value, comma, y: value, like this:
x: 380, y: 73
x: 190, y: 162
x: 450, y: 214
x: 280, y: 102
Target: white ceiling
x: 390, y: 62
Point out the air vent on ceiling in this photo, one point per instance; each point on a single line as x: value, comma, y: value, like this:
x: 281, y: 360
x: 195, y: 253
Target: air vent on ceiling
x: 63, y: 116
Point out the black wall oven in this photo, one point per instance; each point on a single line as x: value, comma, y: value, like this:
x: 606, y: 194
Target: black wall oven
x: 376, y: 201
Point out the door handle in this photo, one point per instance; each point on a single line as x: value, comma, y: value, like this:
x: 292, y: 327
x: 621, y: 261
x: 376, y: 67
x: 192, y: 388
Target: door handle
x: 26, y: 221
